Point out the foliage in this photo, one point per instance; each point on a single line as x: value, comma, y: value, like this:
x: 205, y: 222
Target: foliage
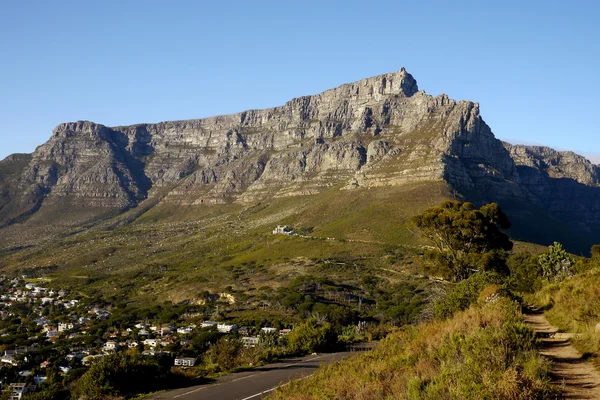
x: 595, y: 251
x: 224, y: 353
x: 525, y: 272
x: 466, y: 240
x: 401, y: 303
x: 482, y: 353
x: 312, y: 336
x: 464, y: 294
x: 119, y: 374
x: 556, y: 263
x: 573, y: 305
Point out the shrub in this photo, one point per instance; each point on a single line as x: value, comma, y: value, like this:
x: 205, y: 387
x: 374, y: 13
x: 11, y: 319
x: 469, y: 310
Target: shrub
x: 311, y: 336
x: 481, y: 353
x: 224, y: 353
x: 464, y: 293
x: 118, y: 375
x: 525, y: 272
x: 556, y: 263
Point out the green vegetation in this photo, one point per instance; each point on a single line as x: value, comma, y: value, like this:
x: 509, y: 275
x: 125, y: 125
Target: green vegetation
x: 312, y: 336
x: 466, y: 240
x: 556, y: 263
x: 465, y: 293
x: 573, y: 305
x: 353, y: 273
x: 483, y: 352
x: 122, y: 375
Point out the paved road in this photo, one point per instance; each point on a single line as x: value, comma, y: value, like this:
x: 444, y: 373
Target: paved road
x: 255, y: 384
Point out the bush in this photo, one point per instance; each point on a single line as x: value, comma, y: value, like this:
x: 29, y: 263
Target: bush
x: 224, y: 354
x: 556, y: 263
x: 525, y: 272
x: 481, y: 353
x: 119, y: 375
x: 464, y: 294
x: 312, y: 336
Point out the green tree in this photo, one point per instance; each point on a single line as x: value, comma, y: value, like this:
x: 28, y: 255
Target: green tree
x: 312, y: 336
x: 225, y: 353
x: 466, y: 240
x: 525, y: 272
x: 556, y: 263
x: 118, y: 375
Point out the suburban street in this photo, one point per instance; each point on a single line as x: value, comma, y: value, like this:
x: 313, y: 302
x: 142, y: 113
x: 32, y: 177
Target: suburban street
x: 256, y: 383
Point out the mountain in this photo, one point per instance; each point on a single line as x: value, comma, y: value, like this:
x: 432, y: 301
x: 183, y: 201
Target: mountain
x: 378, y: 132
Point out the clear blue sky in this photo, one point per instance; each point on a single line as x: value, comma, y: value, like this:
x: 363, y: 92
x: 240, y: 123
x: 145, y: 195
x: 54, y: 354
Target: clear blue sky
x: 532, y: 65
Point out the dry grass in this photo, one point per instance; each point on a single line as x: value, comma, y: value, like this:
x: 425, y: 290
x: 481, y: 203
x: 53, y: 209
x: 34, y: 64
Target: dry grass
x: 484, y: 352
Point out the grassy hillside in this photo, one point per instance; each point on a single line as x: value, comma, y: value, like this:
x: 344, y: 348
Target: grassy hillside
x: 574, y: 306
x: 172, y: 253
x: 484, y: 352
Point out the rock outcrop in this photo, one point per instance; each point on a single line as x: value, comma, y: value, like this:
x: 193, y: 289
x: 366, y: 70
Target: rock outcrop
x: 379, y: 131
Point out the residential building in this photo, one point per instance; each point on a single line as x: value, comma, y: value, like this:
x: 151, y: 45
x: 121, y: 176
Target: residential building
x: 111, y: 346
x: 226, y: 328
x: 185, y: 362
x: 19, y: 389
x: 184, y: 330
x: 283, y: 230
x: 250, y: 341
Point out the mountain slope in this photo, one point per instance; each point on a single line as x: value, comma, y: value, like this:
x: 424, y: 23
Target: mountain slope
x: 377, y: 132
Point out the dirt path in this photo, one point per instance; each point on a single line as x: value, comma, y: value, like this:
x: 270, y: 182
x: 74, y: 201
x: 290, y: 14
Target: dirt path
x: 580, y: 379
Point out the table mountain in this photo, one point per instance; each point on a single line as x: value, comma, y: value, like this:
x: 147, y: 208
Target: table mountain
x: 379, y: 131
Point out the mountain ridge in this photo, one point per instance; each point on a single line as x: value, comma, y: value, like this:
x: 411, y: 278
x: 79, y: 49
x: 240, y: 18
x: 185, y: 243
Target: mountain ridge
x: 375, y: 132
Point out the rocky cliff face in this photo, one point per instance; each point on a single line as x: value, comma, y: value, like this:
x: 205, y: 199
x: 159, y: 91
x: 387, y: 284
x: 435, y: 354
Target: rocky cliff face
x: 379, y: 131
x: 565, y: 183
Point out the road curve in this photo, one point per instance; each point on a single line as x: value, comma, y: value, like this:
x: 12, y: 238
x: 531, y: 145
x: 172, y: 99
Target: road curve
x: 254, y: 384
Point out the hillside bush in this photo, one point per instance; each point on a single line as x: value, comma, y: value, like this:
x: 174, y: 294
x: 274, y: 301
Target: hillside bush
x: 573, y: 305
x: 464, y: 294
x: 312, y: 336
x: 525, y: 272
x: 556, y: 263
x: 119, y: 375
x: 485, y: 352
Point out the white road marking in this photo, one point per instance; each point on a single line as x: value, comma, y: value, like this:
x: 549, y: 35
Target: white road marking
x: 245, y: 377
x: 272, y: 389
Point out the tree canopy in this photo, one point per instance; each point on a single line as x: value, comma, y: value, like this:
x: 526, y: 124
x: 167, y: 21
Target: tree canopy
x: 465, y: 239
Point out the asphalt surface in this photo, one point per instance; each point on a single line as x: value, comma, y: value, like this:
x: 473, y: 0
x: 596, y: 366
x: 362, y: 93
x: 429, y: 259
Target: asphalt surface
x: 254, y: 384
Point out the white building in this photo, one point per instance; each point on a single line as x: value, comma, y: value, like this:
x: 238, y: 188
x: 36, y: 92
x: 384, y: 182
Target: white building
x: 184, y: 330
x: 65, y: 370
x: 282, y: 230
x: 185, y: 362
x: 250, y: 341
x: 226, y: 328
x: 151, y: 342
x: 65, y: 326
x: 111, y: 346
